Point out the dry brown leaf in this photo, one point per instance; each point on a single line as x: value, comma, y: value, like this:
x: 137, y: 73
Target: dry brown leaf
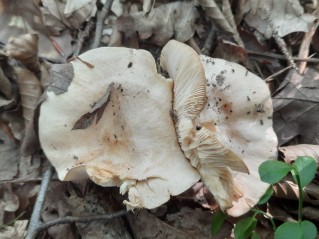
x: 25, y: 49
x: 196, y: 223
x: 287, y: 16
x: 224, y: 19
x: 71, y: 13
x: 289, y: 190
x: 291, y: 153
x: 9, y: 155
x: 296, y: 108
x: 230, y: 52
x: 145, y: 225
x: 148, y: 6
x: 17, y: 231
x: 311, y: 213
x: 62, y: 200
x: 18, y: 18
x: 162, y: 23
x: 30, y: 92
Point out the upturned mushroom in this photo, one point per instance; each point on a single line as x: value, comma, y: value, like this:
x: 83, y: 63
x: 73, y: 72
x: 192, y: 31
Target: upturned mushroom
x: 224, y: 124
x: 113, y: 125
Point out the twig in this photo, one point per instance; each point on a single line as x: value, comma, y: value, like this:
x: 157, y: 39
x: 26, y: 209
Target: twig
x: 304, y: 47
x: 100, y: 21
x: 281, y: 57
x: 280, y: 42
x: 83, y: 35
x: 192, y: 43
x: 83, y: 219
x: 36, y: 214
x: 230, y: 18
x: 271, y: 77
x: 209, y: 42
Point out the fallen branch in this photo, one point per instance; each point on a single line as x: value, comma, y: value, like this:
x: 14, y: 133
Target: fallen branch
x: 35, y: 220
x: 100, y: 21
x: 83, y: 219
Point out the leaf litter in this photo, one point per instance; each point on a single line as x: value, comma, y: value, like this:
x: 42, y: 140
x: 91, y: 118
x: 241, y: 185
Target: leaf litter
x: 45, y: 33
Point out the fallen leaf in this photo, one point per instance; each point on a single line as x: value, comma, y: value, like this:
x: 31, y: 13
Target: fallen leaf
x: 296, y: 108
x: 17, y: 231
x: 145, y: 225
x: 197, y: 223
x: 286, y: 16
x: 169, y: 20
x: 71, y: 13
x: 311, y: 213
x: 19, y: 18
x: 9, y: 154
x: 97, y: 110
x: 287, y: 189
x: 62, y: 75
x: 291, y: 153
x: 62, y: 200
x: 25, y: 49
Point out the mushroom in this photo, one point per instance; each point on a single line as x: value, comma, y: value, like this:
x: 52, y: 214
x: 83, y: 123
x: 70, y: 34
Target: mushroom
x: 224, y: 124
x: 113, y: 125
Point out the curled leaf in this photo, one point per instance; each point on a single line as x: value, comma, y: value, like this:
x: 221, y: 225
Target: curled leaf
x: 25, y: 49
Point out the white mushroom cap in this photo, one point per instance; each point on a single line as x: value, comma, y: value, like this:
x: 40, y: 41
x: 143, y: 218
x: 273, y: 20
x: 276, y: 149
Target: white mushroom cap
x: 134, y: 144
x: 239, y: 112
x: 199, y: 144
x: 222, y: 150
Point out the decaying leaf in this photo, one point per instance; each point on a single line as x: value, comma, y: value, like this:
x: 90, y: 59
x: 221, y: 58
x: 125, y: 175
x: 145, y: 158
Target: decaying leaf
x: 25, y: 49
x: 296, y: 108
x: 71, y: 13
x: 9, y: 155
x: 17, y: 231
x: 18, y: 18
x: 169, y: 20
x: 291, y: 153
x: 287, y: 16
x: 224, y: 20
x: 61, y: 75
x: 97, y: 110
x: 146, y: 225
x: 62, y: 200
x: 287, y: 189
x: 30, y: 92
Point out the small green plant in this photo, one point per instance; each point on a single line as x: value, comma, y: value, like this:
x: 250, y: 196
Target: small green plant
x: 303, y: 171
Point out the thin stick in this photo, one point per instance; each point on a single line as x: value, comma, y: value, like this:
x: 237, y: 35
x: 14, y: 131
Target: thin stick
x: 280, y: 42
x: 82, y: 36
x: 208, y: 45
x: 35, y: 220
x: 100, y: 21
x: 281, y: 57
x: 83, y: 219
x: 305, y: 45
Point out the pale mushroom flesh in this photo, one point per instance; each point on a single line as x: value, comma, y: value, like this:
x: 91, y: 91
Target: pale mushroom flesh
x: 133, y: 145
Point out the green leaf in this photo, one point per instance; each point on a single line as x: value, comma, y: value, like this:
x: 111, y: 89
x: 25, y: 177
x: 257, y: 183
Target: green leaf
x: 255, y: 235
x: 273, y: 171
x: 266, y: 196
x: 307, y: 168
x: 309, y: 230
x: 244, y: 228
x: 289, y: 230
x: 218, y: 220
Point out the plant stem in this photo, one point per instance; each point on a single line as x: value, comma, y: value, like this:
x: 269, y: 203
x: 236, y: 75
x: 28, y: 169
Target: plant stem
x: 267, y: 216
x: 297, y: 178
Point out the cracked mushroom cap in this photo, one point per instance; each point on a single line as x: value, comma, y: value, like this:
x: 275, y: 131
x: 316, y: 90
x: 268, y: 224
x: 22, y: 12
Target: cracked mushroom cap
x: 224, y: 142
x: 113, y: 125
